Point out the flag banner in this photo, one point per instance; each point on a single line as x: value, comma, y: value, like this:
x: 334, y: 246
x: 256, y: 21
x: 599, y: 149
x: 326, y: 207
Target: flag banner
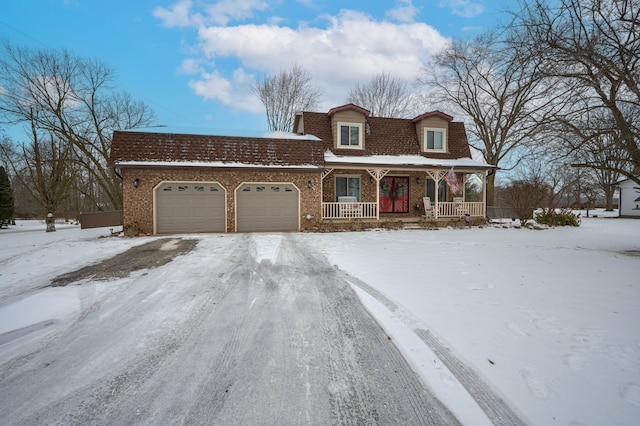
x: 452, y: 181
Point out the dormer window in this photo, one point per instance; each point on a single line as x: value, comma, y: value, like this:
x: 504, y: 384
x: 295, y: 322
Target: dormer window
x: 350, y: 135
x: 435, y: 140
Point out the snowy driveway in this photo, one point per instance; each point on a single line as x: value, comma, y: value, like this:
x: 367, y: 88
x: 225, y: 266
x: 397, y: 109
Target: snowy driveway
x: 245, y: 329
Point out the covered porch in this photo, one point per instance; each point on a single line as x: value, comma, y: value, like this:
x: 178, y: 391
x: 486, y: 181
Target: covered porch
x: 400, y: 194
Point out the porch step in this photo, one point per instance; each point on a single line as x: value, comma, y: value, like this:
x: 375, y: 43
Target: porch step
x: 413, y: 226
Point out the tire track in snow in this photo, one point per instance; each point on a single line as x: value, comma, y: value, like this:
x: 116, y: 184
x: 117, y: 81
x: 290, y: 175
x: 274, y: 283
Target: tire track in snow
x: 493, y: 406
x: 369, y: 381
x: 284, y: 342
x: 113, y: 399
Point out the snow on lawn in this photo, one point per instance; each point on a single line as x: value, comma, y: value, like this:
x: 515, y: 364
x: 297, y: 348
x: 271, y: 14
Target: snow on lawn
x: 28, y: 253
x: 549, y: 318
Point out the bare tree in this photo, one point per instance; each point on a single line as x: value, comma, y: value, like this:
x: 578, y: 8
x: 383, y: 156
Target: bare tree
x: 544, y: 182
x: 43, y: 167
x: 524, y: 197
x: 70, y: 99
x: 284, y: 94
x: 594, y: 47
x: 384, y: 96
x: 496, y: 87
x: 603, y: 159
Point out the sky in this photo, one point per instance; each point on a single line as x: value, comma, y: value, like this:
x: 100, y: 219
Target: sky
x: 193, y: 61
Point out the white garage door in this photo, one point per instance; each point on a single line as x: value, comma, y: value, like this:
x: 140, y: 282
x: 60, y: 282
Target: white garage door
x: 187, y: 207
x: 267, y: 207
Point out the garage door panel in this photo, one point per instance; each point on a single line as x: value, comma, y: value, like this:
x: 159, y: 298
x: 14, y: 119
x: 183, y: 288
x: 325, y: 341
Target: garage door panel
x: 267, y: 207
x: 190, y: 207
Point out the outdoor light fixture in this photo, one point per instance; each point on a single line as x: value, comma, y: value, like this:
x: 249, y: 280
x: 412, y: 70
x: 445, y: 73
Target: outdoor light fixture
x: 371, y: 179
x: 418, y: 179
x: 136, y: 182
x: 309, y: 184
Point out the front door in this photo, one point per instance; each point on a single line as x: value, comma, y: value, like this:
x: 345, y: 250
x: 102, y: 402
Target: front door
x: 394, y: 194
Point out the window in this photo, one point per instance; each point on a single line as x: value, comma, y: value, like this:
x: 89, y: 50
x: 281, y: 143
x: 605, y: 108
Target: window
x: 435, y: 140
x: 348, y: 186
x: 350, y: 135
x: 442, y: 190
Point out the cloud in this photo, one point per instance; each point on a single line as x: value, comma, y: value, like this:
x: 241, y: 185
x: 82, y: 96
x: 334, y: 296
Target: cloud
x: 406, y: 12
x: 191, y: 66
x: 464, y: 8
x: 219, y: 13
x: 339, y: 51
x: 222, y: 12
x: 178, y: 16
x: 233, y: 91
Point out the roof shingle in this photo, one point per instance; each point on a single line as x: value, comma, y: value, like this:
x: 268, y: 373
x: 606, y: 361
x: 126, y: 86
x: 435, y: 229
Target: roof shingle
x: 135, y: 146
x: 388, y: 136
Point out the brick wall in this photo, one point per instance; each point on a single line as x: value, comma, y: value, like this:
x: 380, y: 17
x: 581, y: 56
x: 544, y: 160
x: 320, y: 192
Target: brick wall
x: 138, y: 202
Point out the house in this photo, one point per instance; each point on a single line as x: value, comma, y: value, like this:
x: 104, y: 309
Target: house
x: 337, y: 170
x: 629, y: 205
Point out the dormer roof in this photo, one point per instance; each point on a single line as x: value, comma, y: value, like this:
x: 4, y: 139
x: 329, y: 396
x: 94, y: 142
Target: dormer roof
x: 348, y: 107
x: 433, y: 114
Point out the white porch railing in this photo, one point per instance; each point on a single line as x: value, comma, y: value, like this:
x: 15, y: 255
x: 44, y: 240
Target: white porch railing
x: 349, y: 210
x: 370, y: 210
x: 455, y: 209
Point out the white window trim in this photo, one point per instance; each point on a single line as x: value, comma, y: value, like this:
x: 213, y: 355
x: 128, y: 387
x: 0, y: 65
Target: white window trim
x: 445, y: 143
x: 339, y: 133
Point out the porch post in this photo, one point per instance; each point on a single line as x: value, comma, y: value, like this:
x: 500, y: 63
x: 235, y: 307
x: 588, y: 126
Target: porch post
x: 464, y: 187
x: 484, y: 192
x: 325, y: 173
x: 377, y: 174
x: 437, y: 176
x: 377, y: 198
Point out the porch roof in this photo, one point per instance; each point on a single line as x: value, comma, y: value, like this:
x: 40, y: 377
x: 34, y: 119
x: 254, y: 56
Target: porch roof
x: 408, y: 161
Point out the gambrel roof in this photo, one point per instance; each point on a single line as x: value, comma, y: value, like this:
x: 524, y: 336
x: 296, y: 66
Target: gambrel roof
x: 392, y: 141
x: 388, y: 136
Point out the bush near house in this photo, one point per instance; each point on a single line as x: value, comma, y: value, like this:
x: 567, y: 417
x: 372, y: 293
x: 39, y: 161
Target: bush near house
x: 561, y: 217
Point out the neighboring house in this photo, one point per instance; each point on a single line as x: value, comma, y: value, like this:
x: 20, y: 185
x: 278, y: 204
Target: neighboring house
x: 338, y: 170
x: 629, y: 205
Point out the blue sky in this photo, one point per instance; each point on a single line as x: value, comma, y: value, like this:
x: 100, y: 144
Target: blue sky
x: 193, y: 61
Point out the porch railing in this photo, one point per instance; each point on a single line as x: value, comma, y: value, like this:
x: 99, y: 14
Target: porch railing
x: 455, y: 209
x: 370, y: 210
x: 349, y: 210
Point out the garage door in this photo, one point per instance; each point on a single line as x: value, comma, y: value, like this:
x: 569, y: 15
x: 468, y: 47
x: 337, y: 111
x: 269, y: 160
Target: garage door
x: 187, y: 207
x: 267, y: 207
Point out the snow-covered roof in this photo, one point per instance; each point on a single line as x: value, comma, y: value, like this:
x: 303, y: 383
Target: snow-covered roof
x: 404, y: 160
x: 223, y: 132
